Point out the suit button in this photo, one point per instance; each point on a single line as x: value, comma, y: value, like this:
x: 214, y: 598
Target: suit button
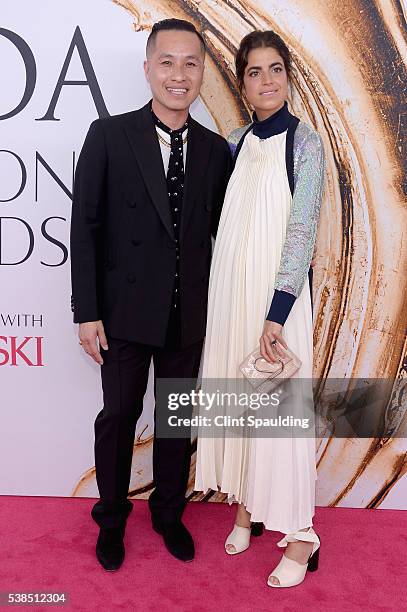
x: 132, y: 204
x: 131, y: 278
x: 136, y: 242
x: 208, y: 207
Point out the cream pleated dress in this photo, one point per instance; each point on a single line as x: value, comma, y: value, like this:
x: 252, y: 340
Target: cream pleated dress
x: 273, y: 477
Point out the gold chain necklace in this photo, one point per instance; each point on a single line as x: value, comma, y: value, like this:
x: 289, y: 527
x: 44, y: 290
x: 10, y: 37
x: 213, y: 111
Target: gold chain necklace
x: 168, y: 144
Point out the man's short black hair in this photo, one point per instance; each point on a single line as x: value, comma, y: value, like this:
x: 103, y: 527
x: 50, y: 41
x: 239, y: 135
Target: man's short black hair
x: 173, y: 24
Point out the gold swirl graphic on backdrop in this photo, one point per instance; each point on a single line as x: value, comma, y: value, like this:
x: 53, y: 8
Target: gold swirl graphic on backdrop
x: 349, y: 84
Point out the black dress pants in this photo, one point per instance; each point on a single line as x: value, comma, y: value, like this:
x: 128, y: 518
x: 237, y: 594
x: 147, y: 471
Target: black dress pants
x: 124, y: 381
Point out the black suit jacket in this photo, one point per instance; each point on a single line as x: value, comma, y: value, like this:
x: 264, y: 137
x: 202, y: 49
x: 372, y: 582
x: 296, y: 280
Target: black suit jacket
x: 123, y: 253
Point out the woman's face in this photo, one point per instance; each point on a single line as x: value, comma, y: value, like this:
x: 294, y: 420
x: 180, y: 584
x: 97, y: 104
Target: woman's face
x: 265, y: 81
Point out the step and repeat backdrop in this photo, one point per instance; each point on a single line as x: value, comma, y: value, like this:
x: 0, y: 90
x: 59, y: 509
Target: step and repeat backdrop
x: 63, y: 64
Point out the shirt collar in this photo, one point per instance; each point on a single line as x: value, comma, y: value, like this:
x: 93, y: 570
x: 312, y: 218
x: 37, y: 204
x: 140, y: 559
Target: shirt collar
x: 275, y: 124
x: 165, y: 128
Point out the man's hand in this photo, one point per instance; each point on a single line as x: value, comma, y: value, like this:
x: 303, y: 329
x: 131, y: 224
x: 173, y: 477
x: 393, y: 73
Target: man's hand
x: 88, y: 332
x: 271, y: 332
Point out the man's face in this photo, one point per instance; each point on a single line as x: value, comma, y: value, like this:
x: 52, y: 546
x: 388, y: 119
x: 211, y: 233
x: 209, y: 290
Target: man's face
x: 174, y: 68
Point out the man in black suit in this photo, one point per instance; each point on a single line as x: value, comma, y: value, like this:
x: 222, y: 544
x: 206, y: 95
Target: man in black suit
x: 141, y: 229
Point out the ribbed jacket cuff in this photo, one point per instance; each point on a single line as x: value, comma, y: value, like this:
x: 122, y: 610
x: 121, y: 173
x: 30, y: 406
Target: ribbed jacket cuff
x: 281, y: 305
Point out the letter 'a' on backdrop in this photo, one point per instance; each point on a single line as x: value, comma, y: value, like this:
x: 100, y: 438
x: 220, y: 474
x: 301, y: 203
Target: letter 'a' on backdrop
x: 62, y: 66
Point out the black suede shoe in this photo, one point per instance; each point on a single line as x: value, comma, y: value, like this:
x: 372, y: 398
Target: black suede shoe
x: 177, y: 539
x: 110, y: 548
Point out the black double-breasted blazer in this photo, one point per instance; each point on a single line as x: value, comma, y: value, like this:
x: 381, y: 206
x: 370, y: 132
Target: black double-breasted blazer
x: 123, y: 250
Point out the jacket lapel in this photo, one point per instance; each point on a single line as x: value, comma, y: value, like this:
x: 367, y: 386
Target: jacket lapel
x: 198, y: 152
x: 144, y: 143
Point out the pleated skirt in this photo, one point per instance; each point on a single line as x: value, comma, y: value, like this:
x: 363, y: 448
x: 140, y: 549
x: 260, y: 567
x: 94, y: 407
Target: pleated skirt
x: 274, y: 477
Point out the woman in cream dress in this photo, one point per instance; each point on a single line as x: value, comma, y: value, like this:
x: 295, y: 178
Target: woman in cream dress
x: 259, y: 294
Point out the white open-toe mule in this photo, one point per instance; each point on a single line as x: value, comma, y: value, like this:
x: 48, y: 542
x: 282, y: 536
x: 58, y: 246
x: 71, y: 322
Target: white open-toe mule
x: 289, y: 572
x: 239, y: 537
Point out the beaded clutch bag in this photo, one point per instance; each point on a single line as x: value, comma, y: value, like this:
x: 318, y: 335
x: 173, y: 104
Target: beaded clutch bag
x: 265, y: 376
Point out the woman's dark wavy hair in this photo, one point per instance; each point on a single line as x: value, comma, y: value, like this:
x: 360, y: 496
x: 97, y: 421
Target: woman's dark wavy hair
x: 256, y: 40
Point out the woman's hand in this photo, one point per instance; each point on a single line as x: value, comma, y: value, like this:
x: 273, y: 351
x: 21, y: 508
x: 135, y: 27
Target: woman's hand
x: 272, y: 331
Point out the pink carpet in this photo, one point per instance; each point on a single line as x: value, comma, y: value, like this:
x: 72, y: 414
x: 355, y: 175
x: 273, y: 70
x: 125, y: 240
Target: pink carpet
x: 47, y: 545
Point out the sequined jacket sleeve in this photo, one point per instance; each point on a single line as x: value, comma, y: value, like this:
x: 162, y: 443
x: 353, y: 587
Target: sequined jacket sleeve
x: 309, y: 175
x: 234, y: 138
